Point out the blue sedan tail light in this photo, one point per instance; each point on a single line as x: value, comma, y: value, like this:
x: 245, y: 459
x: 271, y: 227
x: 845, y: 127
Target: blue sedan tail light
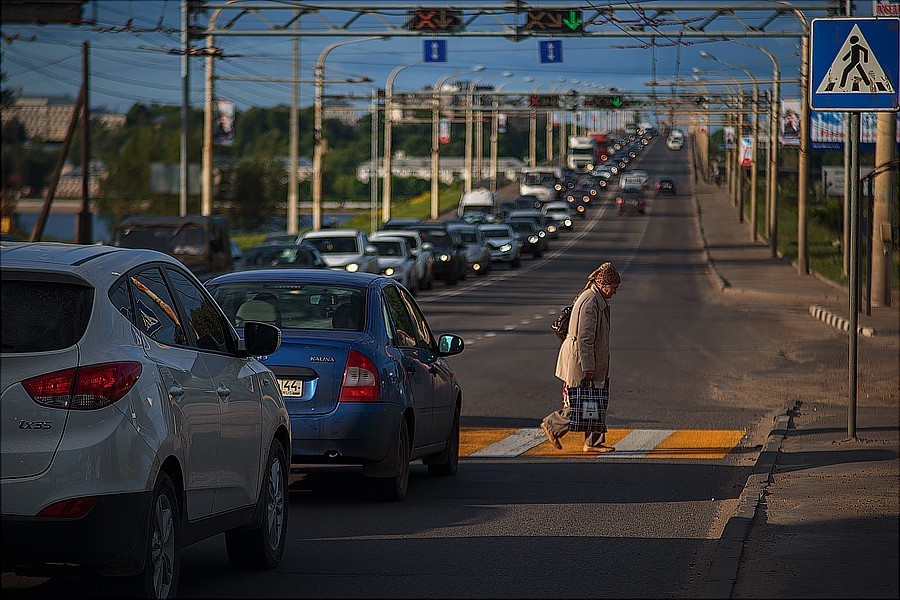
x: 360, y: 379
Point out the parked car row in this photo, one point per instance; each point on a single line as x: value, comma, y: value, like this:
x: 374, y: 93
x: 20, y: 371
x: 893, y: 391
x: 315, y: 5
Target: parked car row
x: 145, y: 411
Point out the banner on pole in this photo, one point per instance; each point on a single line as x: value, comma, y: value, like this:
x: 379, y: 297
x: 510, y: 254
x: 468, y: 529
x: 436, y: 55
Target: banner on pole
x: 790, y: 122
x: 444, y: 132
x: 501, y: 123
x: 728, y: 139
x: 826, y: 131
x: 747, y: 149
x: 223, y: 127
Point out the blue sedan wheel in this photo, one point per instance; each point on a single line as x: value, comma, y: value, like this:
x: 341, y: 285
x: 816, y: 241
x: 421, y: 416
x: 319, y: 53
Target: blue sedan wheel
x: 394, y: 488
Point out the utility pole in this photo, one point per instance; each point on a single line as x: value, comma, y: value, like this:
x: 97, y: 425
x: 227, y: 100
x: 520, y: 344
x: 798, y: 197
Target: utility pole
x: 185, y: 110
x: 881, y: 243
x: 293, y: 207
x: 803, y: 161
x: 85, y: 225
x: 373, y: 173
x: 853, y: 174
x: 206, y: 199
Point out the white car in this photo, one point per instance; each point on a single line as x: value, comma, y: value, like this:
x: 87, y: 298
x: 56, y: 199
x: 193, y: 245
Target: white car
x: 135, y: 420
x: 423, y: 251
x: 502, y: 243
x: 344, y: 249
x: 561, y: 213
x: 396, y: 261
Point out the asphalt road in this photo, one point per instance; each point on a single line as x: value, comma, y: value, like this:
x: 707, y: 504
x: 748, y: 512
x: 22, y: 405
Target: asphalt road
x: 539, y: 523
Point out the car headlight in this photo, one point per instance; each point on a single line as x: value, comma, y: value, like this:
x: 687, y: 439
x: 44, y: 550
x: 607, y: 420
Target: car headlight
x: 551, y: 228
x: 505, y: 247
x: 593, y: 192
x: 445, y: 257
x: 389, y: 271
x: 557, y: 187
x: 541, y: 234
x: 581, y: 208
x: 533, y: 239
x: 590, y: 167
x: 568, y: 222
x: 352, y: 268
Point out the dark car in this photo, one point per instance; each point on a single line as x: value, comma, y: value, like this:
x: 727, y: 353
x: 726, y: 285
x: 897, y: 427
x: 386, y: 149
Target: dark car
x: 364, y: 379
x: 201, y: 243
x: 527, y: 236
x: 281, y: 256
x: 526, y: 202
x: 665, y: 186
x: 449, y: 251
x: 401, y: 223
x: 630, y: 201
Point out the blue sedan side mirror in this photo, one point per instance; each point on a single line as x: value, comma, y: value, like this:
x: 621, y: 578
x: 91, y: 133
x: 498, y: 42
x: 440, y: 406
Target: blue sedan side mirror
x: 449, y: 345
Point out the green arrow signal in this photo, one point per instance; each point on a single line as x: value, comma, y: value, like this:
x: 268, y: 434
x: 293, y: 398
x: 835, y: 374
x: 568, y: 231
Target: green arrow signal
x: 573, y: 22
x: 616, y: 101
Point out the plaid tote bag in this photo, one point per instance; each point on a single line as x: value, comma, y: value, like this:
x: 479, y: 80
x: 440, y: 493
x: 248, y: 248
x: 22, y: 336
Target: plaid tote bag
x: 587, y: 408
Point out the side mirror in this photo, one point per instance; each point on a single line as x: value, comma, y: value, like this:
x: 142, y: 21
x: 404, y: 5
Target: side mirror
x: 427, y: 246
x: 371, y: 250
x: 449, y: 345
x: 261, y: 339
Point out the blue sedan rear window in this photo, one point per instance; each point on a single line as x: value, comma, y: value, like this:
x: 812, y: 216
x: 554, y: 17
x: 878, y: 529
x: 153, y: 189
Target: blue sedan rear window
x: 293, y: 305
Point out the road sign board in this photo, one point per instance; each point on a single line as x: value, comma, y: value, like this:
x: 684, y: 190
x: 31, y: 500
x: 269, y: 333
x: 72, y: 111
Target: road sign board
x: 434, y: 51
x: 567, y: 20
x: 433, y: 19
x: 855, y: 64
x: 551, y: 51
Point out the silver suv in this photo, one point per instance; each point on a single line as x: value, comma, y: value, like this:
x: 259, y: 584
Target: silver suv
x: 135, y: 421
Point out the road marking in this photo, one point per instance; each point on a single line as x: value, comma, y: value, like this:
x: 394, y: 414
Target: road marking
x: 685, y: 444
x: 524, y: 322
x: 514, y: 445
x: 641, y: 442
x: 490, y: 334
x: 509, y: 328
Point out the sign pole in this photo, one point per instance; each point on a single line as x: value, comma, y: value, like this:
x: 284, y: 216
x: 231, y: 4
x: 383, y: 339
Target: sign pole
x: 854, y: 270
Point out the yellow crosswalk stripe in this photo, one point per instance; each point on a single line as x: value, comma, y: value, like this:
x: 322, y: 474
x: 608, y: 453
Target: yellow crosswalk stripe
x: 679, y: 444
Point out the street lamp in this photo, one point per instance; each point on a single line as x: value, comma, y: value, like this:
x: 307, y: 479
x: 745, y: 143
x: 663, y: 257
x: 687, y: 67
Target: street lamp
x: 495, y: 126
x: 435, y: 134
x: 388, y: 133
x: 772, y: 153
x: 733, y: 159
x: 318, y: 134
x: 469, y: 117
x: 753, y: 166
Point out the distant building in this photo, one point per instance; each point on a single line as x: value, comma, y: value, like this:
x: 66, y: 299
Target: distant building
x: 450, y: 168
x: 49, y: 118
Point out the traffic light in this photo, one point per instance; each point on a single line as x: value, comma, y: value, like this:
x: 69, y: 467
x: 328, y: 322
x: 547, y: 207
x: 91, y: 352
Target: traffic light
x: 554, y: 21
x: 432, y: 19
x: 543, y: 101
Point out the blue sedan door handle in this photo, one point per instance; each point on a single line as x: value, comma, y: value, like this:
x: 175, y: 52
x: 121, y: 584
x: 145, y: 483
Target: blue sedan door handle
x: 223, y: 392
x: 176, y: 391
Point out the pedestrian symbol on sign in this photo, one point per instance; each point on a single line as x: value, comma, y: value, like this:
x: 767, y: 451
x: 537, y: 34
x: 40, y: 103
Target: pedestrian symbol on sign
x: 855, y: 64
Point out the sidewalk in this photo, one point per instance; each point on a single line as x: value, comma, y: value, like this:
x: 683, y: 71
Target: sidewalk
x: 819, y: 515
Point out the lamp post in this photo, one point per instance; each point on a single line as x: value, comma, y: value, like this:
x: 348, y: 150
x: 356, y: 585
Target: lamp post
x: 469, y: 174
x: 732, y: 161
x: 318, y: 134
x: 388, y: 139
x: 435, y: 135
x: 753, y: 169
x: 495, y: 128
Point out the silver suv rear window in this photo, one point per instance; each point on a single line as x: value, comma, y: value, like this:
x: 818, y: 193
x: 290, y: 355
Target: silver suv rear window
x: 39, y: 316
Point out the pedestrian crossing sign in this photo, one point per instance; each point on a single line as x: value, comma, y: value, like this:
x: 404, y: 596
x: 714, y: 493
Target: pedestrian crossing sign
x: 855, y: 64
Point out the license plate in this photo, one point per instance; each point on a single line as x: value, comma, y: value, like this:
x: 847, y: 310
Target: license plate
x: 291, y: 387
x: 631, y: 202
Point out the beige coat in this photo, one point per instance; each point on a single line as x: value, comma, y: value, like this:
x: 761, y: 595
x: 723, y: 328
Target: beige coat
x: 586, y: 347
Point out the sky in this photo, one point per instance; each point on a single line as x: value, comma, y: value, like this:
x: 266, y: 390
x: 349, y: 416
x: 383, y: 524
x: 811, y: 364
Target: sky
x: 131, y: 59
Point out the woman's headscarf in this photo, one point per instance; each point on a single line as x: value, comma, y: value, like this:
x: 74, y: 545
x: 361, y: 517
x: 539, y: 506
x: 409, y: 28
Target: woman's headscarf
x: 605, y: 274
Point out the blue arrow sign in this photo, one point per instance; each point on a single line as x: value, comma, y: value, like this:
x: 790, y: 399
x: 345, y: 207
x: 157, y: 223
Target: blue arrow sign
x: 551, y: 51
x: 855, y: 64
x: 434, y: 51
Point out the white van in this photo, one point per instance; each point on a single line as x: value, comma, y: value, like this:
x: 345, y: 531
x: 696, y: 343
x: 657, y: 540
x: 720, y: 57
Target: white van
x: 540, y: 182
x: 477, y: 201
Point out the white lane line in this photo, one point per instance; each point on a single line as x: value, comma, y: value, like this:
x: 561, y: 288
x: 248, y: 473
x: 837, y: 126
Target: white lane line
x: 639, y: 443
x: 552, y: 312
x: 469, y: 342
x: 521, y: 441
x: 509, y: 328
x: 490, y: 334
x: 524, y: 322
x: 538, y: 316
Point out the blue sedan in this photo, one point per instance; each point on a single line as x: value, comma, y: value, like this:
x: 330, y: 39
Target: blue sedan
x: 363, y: 378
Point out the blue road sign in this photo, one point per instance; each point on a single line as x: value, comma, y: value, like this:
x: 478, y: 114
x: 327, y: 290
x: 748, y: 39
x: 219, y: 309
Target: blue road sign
x: 855, y: 64
x: 434, y: 51
x: 551, y: 51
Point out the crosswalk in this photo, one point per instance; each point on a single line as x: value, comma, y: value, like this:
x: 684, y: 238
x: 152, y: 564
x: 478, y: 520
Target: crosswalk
x: 690, y: 444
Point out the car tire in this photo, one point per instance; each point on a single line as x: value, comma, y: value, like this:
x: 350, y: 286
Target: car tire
x: 393, y: 488
x: 263, y: 547
x: 447, y: 462
x: 162, y: 560
x: 451, y: 279
x: 515, y: 263
x: 537, y: 254
x: 485, y: 267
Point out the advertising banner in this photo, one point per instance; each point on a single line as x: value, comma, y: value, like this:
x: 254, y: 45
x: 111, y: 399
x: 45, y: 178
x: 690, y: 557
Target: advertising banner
x: 444, y: 132
x: 826, y: 131
x: 746, y: 151
x: 223, y: 127
x: 728, y: 139
x: 790, y: 122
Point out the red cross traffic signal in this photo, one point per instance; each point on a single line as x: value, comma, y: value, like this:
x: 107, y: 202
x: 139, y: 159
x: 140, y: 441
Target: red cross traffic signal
x: 431, y: 20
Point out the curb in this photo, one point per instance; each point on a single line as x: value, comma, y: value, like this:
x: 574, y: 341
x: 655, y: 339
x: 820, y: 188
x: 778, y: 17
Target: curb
x: 718, y: 280
x: 838, y: 322
x: 723, y: 571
